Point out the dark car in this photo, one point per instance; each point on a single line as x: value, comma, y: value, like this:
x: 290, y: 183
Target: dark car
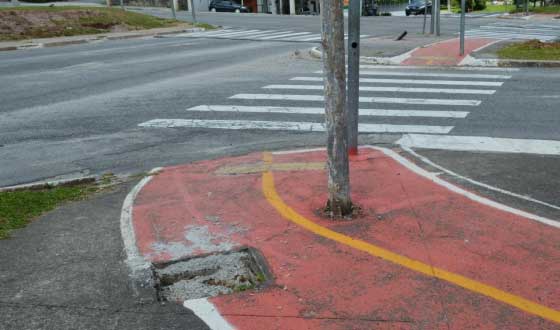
x: 226, y: 5
x: 417, y: 7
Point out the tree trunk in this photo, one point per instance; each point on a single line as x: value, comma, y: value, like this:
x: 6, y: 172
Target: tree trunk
x: 332, y: 19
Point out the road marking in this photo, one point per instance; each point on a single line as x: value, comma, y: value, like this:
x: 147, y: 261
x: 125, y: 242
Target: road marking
x: 271, y: 195
x: 480, y: 143
x: 393, y: 89
x: 478, y: 183
x: 284, y: 35
x: 208, y: 313
x: 289, y: 126
x: 496, y: 35
x: 415, y: 81
x: 260, y: 168
x: 311, y: 39
x: 427, y: 74
x: 224, y: 33
x: 260, y: 34
x: 397, y: 100
x: 416, y: 67
x: 321, y: 111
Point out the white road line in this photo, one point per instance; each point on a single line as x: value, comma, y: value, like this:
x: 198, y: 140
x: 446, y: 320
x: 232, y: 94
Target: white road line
x: 284, y: 35
x: 415, y: 81
x: 232, y: 33
x: 496, y: 35
x: 312, y: 38
x: 392, y: 89
x: 397, y: 100
x: 263, y: 34
x: 208, y: 313
x: 289, y: 126
x: 518, y: 29
x: 479, y: 143
x: 218, y: 32
x: 321, y: 111
x: 416, y: 67
x: 478, y: 183
x: 474, y: 197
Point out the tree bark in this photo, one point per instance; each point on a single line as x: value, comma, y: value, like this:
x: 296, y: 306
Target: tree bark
x: 332, y: 20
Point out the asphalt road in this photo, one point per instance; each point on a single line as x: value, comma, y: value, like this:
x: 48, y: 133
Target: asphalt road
x: 75, y: 110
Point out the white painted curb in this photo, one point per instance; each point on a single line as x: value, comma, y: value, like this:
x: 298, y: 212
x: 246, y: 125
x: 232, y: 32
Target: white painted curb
x: 208, y: 313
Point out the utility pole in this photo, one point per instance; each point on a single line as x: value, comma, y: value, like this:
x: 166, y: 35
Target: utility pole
x: 353, y: 91
x: 425, y: 11
x: 432, y: 14
x: 334, y: 71
x: 173, y: 9
x: 193, y: 10
x: 462, y: 29
x: 438, y: 16
x: 108, y: 3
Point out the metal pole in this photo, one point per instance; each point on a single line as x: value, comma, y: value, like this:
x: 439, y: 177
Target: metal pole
x: 438, y: 17
x: 173, y: 9
x: 462, y: 29
x: 353, y: 88
x: 526, y: 7
x: 122, y: 4
x: 15, y: 2
x: 425, y: 12
x: 193, y: 11
x: 432, y: 19
x: 334, y: 71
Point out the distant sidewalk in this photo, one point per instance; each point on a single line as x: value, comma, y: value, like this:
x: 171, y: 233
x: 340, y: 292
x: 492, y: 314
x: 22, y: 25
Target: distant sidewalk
x: 422, y: 252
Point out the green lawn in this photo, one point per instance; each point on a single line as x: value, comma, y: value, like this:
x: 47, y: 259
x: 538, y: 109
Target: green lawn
x: 531, y: 50
x: 18, y: 208
x: 42, y: 22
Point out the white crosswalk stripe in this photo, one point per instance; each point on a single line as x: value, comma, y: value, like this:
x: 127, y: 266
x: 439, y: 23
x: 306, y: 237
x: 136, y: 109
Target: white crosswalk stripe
x: 272, y: 35
x: 419, y: 113
x: 510, y: 31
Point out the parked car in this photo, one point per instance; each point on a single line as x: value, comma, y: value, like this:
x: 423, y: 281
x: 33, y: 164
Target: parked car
x: 228, y: 6
x: 417, y: 7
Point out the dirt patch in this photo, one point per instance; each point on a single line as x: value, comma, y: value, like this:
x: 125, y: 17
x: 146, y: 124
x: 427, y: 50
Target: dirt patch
x: 17, y: 24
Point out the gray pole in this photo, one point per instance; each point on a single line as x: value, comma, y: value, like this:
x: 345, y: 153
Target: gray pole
x: 193, y: 11
x: 173, y: 9
x: 526, y: 7
x: 425, y: 11
x: 334, y: 72
x: 122, y: 4
x: 462, y: 29
x: 438, y: 17
x: 432, y: 19
x: 353, y: 92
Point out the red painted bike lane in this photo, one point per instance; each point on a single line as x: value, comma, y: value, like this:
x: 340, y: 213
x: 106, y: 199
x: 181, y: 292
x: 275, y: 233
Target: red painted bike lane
x: 323, y: 283
x: 445, y: 53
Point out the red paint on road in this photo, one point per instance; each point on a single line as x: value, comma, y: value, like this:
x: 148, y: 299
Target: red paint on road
x: 445, y: 53
x: 321, y: 284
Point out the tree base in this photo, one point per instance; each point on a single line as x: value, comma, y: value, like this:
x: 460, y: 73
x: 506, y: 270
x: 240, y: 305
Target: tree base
x: 338, y: 209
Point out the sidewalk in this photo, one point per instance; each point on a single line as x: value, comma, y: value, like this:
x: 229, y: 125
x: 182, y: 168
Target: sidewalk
x: 423, y: 253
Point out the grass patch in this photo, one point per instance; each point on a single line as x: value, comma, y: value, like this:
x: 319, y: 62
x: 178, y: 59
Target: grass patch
x: 43, y: 22
x: 545, y: 10
x: 18, y: 208
x: 531, y: 50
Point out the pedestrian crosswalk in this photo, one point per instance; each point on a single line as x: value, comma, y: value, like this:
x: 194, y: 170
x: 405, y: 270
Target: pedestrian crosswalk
x: 264, y: 35
x: 425, y: 101
x: 513, y: 31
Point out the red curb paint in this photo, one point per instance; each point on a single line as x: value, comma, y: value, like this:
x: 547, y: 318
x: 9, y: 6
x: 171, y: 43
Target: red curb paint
x: 445, y: 53
x: 352, y: 151
x: 321, y: 284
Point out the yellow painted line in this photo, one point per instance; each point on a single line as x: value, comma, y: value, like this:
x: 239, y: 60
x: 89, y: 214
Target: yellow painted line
x: 287, y: 212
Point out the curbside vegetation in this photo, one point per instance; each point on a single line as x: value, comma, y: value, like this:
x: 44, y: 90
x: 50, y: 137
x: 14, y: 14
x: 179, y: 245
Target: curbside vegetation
x: 45, y: 22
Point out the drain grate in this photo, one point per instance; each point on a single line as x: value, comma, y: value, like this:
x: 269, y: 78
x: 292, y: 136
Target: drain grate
x: 210, y: 275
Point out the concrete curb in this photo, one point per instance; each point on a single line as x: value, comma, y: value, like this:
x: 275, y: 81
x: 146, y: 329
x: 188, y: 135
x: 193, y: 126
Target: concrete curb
x: 49, y: 184
x: 95, y: 38
x: 395, y: 60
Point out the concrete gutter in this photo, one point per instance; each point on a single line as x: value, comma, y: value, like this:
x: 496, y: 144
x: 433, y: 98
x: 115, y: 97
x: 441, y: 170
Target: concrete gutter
x: 64, y: 41
x: 50, y: 184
